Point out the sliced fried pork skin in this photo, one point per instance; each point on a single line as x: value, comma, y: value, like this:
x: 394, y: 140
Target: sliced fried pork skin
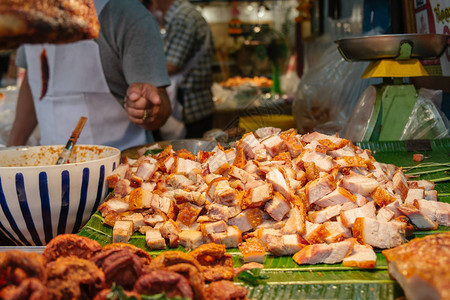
x: 421, y: 267
x: 74, y: 278
x: 31, y: 289
x: 225, y: 290
x: 324, y: 253
x: 72, y: 245
x: 159, y: 281
x: 362, y: 256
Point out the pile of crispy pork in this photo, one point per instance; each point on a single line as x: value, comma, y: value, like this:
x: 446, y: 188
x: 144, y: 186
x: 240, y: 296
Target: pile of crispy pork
x: 314, y: 196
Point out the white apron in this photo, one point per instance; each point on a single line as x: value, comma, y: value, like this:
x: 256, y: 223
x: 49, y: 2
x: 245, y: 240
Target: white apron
x: 77, y: 87
x: 175, y: 128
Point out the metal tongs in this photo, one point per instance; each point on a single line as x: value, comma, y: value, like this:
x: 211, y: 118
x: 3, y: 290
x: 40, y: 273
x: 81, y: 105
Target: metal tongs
x: 65, y: 153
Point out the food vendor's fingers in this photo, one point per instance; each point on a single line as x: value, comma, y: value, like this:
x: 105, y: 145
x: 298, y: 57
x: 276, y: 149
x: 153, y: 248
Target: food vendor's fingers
x: 136, y: 91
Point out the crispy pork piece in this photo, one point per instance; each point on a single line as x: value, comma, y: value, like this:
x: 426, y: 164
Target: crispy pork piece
x: 179, y: 181
x: 400, y: 184
x: 348, y: 217
x: 230, y: 238
x: 319, y: 188
x: 168, y: 282
x: 64, y: 245
x: 420, y: 220
x: 154, y: 239
x: 278, y: 207
x: 274, y: 145
x: 184, y: 166
x: 379, y: 234
x: 74, y: 278
x: 147, y: 168
x: 337, y: 232
x: 247, y: 220
x: 425, y: 184
x: 336, y: 197
x: 137, y: 219
x: 122, y: 188
x: 322, y: 161
x: 42, y: 21
x: 122, y: 231
x: 171, y: 231
x: 359, y: 184
x: 315, y: 233
x: 259, y: 195
x: 436, y: 211
x: 385, y: 214
x: 324, y: 253
x: 208, y: 228
x: 250, y: 145
x: 280, y: 183
x: 221, y: 192
x: 421, y: 267
x: 266, y: 131
x: 362, y: 256
x: 383, y: 195
x: 225, y: 290
x: 191, y: 239
x: 188, y: 213
x: 215, y: 263
x: 325, y: 214
x: 414, y: 194
x: 295, y: 222
x: 252, y: 250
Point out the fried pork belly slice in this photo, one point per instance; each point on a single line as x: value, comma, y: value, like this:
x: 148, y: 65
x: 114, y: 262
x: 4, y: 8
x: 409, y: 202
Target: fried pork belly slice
x: 336, y: 197
x: 287, y: 244
x: 220, y: 191
x: 337, y: 232
x: 154, y: 239
x: 315, y: 233
x: 425, y: 184
x: 347, y: 150
x: 319, y: 188
x: 421, y: 267
x: 431, y: 195
x: 217, y: 212
x: 393, y: 206
x: 324, y: 253
x: 322, y: 161
x: 436, y: 211
x: 184, y: 166
x: 191, y: 239
x: 171, y: 231
x: 137, y: 219
x: 250, y: 144
x: 316, y: 136
x: 247, y: 220
x: 230, y: 238
x: 147, y: 168
x: 74, y: 278
x: 215, y: 263
x: 419, y: 220
x: 258, y: 196
x: 188, y: 213
x: 208, y: 228
x: 139, y: 199
x: 162, y: 203
x: 325, y: 214
x: 358, y: 184
x: 160, y: 281
x: 64, y: 245
x: 280, y: 183
x: 16, y: 266
x: 122, y: 231
x: 122, y: 187
x: 217, y: 160
x: 263, y: 132
x: 348, y: 217
x: 414, y: 194
x: 120, y: 265
x: 295, y: 222
x: 400, y: 184
x: 117, y: 175
x: 226, y: 290
x: 379, y: 234
x: 274, y: 145
x: 29, y: 288
x: 278, y: 207
x: 362, y: 256
x: 385, y: 214
x: 383, y: 195
x: 154, y: 219
x: 178, y: 181
x: 252, y: 250
x: 241, y: 174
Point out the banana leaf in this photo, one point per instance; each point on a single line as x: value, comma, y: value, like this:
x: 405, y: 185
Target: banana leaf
x: 287, y: 280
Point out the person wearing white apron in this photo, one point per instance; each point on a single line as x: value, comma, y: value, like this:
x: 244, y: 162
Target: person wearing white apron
x: 84, y: 91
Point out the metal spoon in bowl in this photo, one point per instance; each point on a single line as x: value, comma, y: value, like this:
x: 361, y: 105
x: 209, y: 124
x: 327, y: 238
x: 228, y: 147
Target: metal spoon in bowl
x: 65, y: 153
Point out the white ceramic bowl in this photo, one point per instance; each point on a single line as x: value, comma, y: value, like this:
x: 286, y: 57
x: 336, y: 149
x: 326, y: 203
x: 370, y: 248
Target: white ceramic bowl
x: 39, y: 200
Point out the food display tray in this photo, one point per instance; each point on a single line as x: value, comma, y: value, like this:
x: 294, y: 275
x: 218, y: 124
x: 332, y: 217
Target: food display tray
x: 287, y: 280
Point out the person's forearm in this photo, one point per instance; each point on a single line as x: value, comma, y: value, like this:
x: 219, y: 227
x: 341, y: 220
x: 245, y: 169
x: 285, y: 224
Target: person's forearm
x: 25, y: 120
x: 172, y: 69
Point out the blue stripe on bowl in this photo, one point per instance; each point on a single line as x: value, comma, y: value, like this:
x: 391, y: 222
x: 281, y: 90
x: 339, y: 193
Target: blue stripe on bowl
x: 10, y: 218
x: 82, y: 204
x: 65, y: 201
x: 7, y: 233
x: 101, y: 179
x: 113, y: 166
x: 23, y: 203
x: 45, y: 206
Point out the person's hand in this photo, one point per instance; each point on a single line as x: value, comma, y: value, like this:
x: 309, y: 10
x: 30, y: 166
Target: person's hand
x: 147, y: 105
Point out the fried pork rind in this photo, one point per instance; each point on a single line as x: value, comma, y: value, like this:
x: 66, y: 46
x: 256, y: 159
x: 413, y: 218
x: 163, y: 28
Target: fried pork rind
x: 120, y: 265
x: 70, y: 245
x: 215, y: 263
x: 74, y: 278
x: 16, y: 266
x: 46, y: 21
x: 225, y: 290
x: 147, y: 258
x: 170, y: 283
x: 193, y: 275
x: 30, y: 288
x: 169, y: 258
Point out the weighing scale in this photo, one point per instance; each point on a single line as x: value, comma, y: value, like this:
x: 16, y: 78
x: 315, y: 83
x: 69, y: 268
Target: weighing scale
x: 383, y: 110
